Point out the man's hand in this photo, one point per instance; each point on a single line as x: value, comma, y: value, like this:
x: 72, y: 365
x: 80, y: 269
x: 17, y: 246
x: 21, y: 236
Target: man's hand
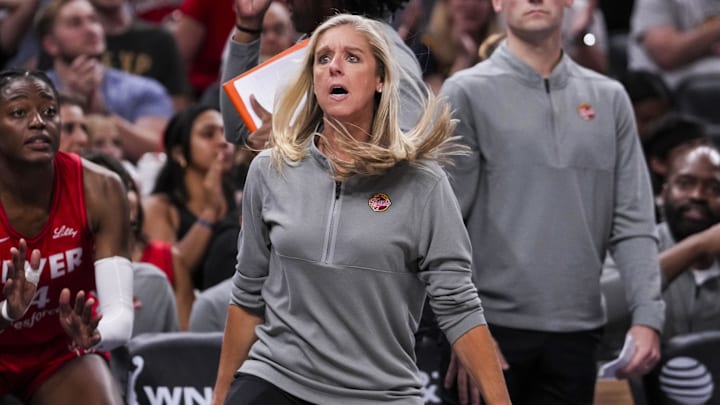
x: 77, y: 321
x: 647, y: 352
x: 84, y: 76
x: 259, y: 139
x: 250, y: 13
x: 18, y: 290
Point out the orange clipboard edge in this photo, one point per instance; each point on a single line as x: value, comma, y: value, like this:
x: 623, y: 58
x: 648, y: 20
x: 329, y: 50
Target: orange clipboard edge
x: 235, y: 97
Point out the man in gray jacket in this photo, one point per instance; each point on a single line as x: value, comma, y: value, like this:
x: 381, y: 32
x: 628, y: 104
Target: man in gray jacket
x: 555, y: 179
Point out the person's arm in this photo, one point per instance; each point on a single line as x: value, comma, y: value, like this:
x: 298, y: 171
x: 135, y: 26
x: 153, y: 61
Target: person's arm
x: 633, y: 242
x: 589, y: 21
x: 243, y: 53
x: 108, y: 218
x: 142, y: 136
x: 16, y: 23
x: 477, y: 353
x: 253, y: 261
x: 698, y: 250
x: 238, y: 338
x: 653, y: 25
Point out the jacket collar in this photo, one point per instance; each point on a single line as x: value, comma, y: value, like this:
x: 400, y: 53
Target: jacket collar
x: 506, y: 59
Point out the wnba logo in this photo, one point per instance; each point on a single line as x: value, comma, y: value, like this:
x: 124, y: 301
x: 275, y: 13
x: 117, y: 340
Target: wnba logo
x: 687, y: 381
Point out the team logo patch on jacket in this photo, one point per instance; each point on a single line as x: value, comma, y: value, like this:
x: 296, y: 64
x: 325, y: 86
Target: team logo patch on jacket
x: 586, y: 111
x: 379, y: 202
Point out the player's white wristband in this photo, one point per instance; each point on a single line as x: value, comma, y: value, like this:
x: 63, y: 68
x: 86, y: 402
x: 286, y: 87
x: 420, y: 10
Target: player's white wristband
x: 4, y: 312
x: 31, y: 274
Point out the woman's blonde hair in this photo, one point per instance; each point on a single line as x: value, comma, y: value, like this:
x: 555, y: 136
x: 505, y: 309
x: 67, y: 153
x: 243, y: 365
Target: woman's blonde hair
x: 298, y: 116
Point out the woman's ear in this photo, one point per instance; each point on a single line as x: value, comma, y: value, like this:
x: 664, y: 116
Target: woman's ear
x: 177, y: 155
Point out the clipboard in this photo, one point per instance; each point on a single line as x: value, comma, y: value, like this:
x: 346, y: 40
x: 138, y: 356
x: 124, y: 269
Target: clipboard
x: 263, y: 82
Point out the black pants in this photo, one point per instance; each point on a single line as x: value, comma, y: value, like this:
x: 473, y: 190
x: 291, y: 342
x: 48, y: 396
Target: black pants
x: 549, y: 368
x: 247, y: 389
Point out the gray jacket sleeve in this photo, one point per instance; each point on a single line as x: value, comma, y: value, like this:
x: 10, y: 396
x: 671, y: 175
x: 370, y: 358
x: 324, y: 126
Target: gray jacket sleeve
x: 241, y: 58
x: 253, y: 258
x: 633, y: 241
x: 465, y: 171
x: 445, y: 257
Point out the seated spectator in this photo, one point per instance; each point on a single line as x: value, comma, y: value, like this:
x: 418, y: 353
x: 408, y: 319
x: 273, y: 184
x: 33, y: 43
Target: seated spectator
x: 143, y: 49
x: 73, y: 37
x: 690, y: 241
x: 73, y: 125
x: 676, y: 38
x: 153, y: 298
x: 585, y: 36
x: 210, y: 308
x: 650, y: 96
x: 192, y: 206
x: 689, y: 248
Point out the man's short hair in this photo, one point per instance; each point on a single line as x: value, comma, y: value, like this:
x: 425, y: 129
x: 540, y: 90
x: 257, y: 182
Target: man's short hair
x: 672, y: 131
x: 45, y: 19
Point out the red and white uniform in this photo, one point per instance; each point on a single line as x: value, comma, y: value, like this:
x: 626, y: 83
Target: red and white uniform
x: 35, y: 346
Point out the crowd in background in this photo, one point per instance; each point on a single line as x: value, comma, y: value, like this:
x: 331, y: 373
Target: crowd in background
x: 140, y: 94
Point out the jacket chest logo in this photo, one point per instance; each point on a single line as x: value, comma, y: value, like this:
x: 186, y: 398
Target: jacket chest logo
x: 379, y: 202
x: 586, y: 111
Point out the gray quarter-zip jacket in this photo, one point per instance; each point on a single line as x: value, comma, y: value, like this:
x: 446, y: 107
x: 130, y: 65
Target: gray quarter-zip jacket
x: 341, y: 280
x: 556, y: 178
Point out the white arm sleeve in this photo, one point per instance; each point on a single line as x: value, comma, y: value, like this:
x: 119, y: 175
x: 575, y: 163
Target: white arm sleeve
x: 114, y: 283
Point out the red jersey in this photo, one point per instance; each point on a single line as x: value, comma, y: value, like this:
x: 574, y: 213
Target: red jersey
x: 67, y: 250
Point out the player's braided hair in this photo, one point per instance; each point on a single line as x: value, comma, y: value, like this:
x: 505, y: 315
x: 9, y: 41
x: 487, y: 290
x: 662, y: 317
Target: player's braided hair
x: 10, y: 75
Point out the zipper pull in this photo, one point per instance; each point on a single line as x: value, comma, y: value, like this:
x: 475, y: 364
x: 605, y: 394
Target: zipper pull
x: 338, y: 185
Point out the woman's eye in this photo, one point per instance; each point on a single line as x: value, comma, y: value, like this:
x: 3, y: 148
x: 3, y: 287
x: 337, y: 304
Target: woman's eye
x: 353, y: 59
x: 18, y: 113
x: 323, y: 59
x: 51, y: 112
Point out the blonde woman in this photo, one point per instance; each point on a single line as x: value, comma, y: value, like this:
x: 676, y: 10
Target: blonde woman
x: 347, y: 224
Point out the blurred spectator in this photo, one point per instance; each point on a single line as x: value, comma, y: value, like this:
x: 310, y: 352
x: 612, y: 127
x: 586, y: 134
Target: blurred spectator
x: 104, y: 137
x: 278, y: 31
x: 455, y: 32
x: 585, y: 35
x: 15, y: 21
x: 73, y: 125
x: 192, y: 206
x: 201, y: 30
x: 689, y: 242
x: 677, y: 38
x: 153, y: 299
x: 72, y: 35
x: 650, y: 96
x: 210, y: 309
x: 154, y: 11
x: 143, y: 49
